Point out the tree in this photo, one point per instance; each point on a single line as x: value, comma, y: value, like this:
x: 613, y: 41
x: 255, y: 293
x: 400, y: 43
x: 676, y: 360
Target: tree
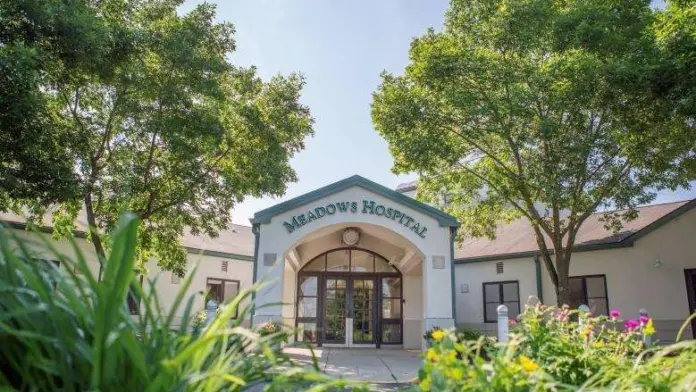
x: 675, y: 75
x: 175, y: 133
x: 38, y: 39
x: 536, y: 109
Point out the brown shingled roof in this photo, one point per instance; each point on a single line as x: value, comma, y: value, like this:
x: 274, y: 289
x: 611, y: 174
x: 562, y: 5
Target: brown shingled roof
x: 517, y: 239
x: 407, y: 186
x: 235, y: 240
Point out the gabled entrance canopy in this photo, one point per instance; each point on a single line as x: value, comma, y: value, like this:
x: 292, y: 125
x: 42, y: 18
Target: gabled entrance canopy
x: 264, y: 216
x: 351, y: 300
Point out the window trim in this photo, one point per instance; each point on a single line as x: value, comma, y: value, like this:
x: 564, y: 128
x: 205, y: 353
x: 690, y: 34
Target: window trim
x: 223, y: 280
x: 502, y: 298
x: 136, y: 301
x: 584, y: 288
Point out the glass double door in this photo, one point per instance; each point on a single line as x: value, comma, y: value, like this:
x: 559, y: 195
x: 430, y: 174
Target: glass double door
x: 349, y: 299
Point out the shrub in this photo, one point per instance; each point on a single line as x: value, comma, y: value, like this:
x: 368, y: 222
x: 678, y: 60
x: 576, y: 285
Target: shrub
x: 428, y: 336
x: 468, y: 334
x: 64, y: 331
x: 548, y: 351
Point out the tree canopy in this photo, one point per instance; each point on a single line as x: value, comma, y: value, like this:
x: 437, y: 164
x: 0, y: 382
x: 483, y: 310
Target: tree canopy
x: 173, y: 131
x: 39, y: 40
x: 541, y: 109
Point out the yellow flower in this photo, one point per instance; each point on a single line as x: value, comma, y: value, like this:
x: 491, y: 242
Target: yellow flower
x: 598, y: 344
x: 438, y: 334
x: 425, y: 385
x: 456, y: 373
x: 451, y: 357
x: 431, y: 355
x: 471, y: 374
x: 528, y: 364
x: 649, y: 328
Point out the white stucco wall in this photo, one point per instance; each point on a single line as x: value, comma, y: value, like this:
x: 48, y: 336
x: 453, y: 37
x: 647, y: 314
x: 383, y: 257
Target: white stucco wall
x: 470, y: 305
x: 207, y: 267
x: 633, y: 282
x: 436, y: 306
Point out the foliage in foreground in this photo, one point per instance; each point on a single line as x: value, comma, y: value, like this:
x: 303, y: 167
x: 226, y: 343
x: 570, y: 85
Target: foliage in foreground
x: 64, y: 331
x: 549, y: 352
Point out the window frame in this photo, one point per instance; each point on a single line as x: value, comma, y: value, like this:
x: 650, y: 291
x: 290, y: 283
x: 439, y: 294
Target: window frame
x: 500, y: 284
x: 224, y: 281
x: 584, y: 289
x: 132, y: 301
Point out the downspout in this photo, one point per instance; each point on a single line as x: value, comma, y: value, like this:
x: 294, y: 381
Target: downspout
x: 453, y: 231
x: 254, y: 229
x: 537, y: 268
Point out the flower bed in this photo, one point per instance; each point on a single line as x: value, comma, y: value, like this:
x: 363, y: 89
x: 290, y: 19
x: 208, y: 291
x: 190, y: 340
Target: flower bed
x: 560, y: 349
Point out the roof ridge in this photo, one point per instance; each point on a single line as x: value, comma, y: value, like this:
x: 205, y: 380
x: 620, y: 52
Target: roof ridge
x: 684, y: 201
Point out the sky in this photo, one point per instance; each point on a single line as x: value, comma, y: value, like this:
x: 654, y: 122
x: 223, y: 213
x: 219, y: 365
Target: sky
x: 341, y: 47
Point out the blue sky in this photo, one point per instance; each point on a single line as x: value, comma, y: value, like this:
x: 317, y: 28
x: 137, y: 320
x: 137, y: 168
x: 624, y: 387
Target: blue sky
x: 341, y: 47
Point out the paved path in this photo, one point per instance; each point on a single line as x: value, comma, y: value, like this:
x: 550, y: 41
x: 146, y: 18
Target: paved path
x: 374, y: 365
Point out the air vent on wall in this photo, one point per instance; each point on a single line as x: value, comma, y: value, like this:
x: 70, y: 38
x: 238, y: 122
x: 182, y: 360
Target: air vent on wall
x: 499, y: 267
x: 224, y: 266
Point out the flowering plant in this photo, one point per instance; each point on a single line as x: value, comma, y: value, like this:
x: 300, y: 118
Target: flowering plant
x: 428, y: 336
x: 549, y: 349
x: 270, y: 328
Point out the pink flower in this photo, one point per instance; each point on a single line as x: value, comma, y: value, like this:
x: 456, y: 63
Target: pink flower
x: 631, y: 324
x: 644, y: 320
x: 614, y: 314
x: 512, y: 322
x: 562, y: 316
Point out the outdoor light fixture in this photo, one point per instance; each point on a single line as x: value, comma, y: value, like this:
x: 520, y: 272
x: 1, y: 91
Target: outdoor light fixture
x: 657, y: 263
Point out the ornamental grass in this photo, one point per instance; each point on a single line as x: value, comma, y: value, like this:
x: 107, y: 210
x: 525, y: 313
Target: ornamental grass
x: 61, y: 329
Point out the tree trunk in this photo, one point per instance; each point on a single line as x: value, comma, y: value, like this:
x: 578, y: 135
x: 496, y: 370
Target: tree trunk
x: 94, y: 233
x: 563, y: 286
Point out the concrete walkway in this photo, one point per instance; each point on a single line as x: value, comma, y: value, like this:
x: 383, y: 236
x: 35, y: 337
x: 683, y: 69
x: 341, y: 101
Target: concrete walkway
x: 386, y: 365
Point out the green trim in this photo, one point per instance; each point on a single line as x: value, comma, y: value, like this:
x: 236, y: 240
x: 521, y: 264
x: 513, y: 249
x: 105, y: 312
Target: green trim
x: 43, y: 229
x: 661, y: 221
x: 453, y: 231
x: 534, y: 253
x: 214, y: 253
x: 256, y: 230
x: 82, y: 234
x: 539, y: 283
x: 264, y: 216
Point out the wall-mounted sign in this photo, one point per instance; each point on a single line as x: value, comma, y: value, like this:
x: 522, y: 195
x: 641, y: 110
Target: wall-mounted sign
x: 353, y: 207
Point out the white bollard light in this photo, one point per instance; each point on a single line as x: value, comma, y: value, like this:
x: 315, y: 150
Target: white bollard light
x: 211, y: 310
x: 502, y: 323
x: 644, y: 313
x: 584, y: 312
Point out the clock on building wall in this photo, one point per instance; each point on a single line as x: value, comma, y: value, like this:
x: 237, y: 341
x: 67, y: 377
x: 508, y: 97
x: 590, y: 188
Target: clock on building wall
x: 351, y: 236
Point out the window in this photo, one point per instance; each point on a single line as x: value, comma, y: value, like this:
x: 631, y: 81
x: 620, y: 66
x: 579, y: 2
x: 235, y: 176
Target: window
x: 222, y: 291
x: 391, y: 310
x: 500, y: 293
x: 133, y: 298
x: 589, y: 290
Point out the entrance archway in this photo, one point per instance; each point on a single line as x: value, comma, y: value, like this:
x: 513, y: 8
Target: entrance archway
x: 349, y: 296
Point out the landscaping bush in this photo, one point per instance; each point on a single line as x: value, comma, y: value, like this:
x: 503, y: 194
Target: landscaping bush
x: 60, y: 330
x: 549, y: 351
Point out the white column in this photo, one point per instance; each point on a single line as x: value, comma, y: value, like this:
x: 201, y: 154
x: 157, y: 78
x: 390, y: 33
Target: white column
x: 270, y: 270
x: 437, y: 292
